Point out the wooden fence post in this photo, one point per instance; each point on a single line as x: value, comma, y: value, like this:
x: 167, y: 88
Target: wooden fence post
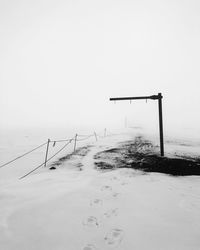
x: 95, y: 136
x: 75, y: 142
x: 47, y: 150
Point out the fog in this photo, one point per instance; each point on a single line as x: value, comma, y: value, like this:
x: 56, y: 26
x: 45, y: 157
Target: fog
x: 61, y: 61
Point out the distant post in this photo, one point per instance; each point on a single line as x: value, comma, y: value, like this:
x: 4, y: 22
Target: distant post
x: 152, y: 97
x: 105, y: 132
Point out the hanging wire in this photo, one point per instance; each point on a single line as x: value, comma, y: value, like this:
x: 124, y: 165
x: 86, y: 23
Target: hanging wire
x: 23, y: 155
x: 83, y: 135
x: 64, y: 140
x: 85, y: 138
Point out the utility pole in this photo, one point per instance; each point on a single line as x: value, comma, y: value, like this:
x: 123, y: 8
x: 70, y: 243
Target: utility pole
x: 152, y: 97
x: 161, y: 124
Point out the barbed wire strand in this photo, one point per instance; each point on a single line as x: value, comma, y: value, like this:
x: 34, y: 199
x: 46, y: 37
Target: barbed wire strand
x: 100, y: 136
x: 84, y: 135
x: 47, y: 160
x: 85, y: 138
x: 23, y: 155
x: 60, y: 140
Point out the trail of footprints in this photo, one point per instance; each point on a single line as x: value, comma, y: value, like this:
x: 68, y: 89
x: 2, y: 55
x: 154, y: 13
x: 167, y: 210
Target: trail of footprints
x: 112, y: 238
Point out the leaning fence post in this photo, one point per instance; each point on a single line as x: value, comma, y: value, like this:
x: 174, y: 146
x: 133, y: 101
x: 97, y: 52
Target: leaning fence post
x: 75, y: 142
x: 45, y: 162
x: 95, y: 136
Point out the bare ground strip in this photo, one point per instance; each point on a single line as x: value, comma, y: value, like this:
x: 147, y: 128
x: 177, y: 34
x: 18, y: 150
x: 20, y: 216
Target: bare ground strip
x: 140, y: 154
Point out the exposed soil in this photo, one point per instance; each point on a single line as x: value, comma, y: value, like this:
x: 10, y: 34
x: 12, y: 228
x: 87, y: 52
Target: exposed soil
x: 75, y: 157
x: 83, y: 151
x: 141, y: 154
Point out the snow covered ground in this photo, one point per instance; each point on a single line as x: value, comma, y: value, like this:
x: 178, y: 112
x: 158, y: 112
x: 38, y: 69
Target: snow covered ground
x: 77, y: 207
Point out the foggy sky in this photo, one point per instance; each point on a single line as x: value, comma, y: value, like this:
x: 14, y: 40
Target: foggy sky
x: 61, y: 61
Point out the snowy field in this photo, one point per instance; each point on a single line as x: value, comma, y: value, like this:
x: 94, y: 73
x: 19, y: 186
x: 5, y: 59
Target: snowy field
x: 77, y: 207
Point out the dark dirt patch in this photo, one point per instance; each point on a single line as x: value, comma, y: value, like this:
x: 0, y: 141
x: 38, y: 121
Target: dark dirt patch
x: 56, y: 163
x: 104, y: 166
x: 52, y: 168
x: 78, y: 155
x: 79, y: 166
x: 83, y: 151
x: 109, y: 154
x: 140, y: 154
x: 172, y: 166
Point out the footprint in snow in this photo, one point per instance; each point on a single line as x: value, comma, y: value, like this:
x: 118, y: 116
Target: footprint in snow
x: 106, y: 187
x: 114, y: 237
x: 90, y: 247
x: 115, y: 194
x: 111, y: 213
x: 96, y: 202
x: 91, y: 221
x: 114, y: 178
x: 124, y: 183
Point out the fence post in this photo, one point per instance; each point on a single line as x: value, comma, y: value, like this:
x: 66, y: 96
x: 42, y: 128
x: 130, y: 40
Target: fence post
x: 47, y: 150
x: 75, y: 142
x: 95, y: 136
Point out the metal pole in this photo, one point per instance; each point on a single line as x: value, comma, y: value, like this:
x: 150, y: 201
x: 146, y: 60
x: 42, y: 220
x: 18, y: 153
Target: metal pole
x: 161, y: 124
x: 45, y: 162
x: 152, y: 97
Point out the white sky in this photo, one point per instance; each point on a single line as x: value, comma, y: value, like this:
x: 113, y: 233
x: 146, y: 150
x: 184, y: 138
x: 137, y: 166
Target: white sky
x: 62, y: 60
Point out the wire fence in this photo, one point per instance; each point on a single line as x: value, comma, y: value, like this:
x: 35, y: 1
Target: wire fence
x: 68, y: 141
x: 9, y: 162
x: 46, y: 160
